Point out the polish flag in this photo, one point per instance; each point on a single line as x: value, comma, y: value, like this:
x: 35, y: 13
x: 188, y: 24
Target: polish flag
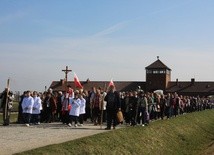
x: 111, y: 83
x: 77, y: 82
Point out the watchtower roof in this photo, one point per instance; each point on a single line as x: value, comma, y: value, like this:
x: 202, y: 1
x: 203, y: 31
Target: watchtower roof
x: 158, y: 65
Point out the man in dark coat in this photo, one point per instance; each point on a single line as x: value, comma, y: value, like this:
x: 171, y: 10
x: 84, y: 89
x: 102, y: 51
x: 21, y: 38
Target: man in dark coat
x: 49, y: 108
x: 6, y: 104
x: 20, y: 115
x: 113, y: 105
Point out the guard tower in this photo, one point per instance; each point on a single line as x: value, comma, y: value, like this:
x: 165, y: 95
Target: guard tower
x: 158, y: 75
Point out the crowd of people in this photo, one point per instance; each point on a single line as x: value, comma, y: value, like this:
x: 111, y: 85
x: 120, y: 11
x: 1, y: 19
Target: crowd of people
x: 141, y: 108
x: 74, y: 108
x: 70, y: 107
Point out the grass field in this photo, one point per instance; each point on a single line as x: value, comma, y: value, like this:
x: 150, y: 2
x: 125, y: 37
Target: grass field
x: 15, y: 106
x: 13, y: 118
x: 188, y: 134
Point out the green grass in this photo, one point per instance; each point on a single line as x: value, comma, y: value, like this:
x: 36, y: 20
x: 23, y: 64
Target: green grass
x: 186, y: 135
x: 13, y: 118
x: 14, y: 115
x: 15, y: 106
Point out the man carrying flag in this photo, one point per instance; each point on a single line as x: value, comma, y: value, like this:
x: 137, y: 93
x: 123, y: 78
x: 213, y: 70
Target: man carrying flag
x: 111, y: 83
x: 113, y: 105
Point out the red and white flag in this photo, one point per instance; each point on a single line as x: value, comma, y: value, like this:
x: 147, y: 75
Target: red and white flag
x: 77, y: 82
x: 111, y: 83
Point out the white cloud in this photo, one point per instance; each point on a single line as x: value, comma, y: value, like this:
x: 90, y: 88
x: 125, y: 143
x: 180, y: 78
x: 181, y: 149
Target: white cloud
x: 111, y: 29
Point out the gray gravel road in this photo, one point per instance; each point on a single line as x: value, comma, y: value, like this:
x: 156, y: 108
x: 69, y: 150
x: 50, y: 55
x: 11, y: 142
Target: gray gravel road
x: 18, y: 138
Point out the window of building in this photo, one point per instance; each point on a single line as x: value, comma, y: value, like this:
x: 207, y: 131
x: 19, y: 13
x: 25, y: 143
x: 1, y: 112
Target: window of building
x: 149, y: 71
x: 162, y: 71
x: 156, y: 71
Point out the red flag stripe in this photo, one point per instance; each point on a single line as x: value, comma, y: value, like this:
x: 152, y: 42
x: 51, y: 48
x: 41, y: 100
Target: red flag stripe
x: 77, y: 82
x: 111, y: 83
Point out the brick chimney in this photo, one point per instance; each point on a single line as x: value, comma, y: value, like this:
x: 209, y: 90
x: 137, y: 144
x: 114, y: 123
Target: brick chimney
x: 88, y: 80
x: 193, y: 81
x: 62, y: 82
x: 176, y: 82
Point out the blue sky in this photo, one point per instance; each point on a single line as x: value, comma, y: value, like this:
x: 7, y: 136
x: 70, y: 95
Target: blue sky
x: 101, y: 40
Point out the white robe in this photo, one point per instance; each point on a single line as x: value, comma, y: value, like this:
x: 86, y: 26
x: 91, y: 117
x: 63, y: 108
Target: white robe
x: 27, y: 105
x: 37, y: 106
x: 82, y: 106
x: 75, y: 107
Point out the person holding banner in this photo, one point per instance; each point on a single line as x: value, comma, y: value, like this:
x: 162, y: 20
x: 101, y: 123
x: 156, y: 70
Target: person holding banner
x: 7, y: 98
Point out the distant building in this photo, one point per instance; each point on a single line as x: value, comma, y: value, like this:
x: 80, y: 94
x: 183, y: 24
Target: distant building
x: 158, y: 77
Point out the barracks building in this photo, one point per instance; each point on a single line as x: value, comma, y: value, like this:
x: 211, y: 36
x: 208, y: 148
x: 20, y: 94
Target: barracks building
x: 158, y: 77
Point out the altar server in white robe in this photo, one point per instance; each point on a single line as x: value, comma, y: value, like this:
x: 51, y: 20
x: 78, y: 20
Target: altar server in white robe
x: 75, y: 109
x: 82, y: 109
x: 27, y: 107
x: 37, y: 107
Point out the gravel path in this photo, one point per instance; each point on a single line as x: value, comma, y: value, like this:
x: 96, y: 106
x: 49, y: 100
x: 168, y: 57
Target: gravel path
x: 18, y: 138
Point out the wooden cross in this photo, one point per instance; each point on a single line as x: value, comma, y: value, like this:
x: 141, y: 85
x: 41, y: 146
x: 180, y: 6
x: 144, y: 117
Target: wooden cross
x: 66, y: 73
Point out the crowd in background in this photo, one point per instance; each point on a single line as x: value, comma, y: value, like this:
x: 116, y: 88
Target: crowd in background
x: 140, y: 108
x: 98, y: 106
